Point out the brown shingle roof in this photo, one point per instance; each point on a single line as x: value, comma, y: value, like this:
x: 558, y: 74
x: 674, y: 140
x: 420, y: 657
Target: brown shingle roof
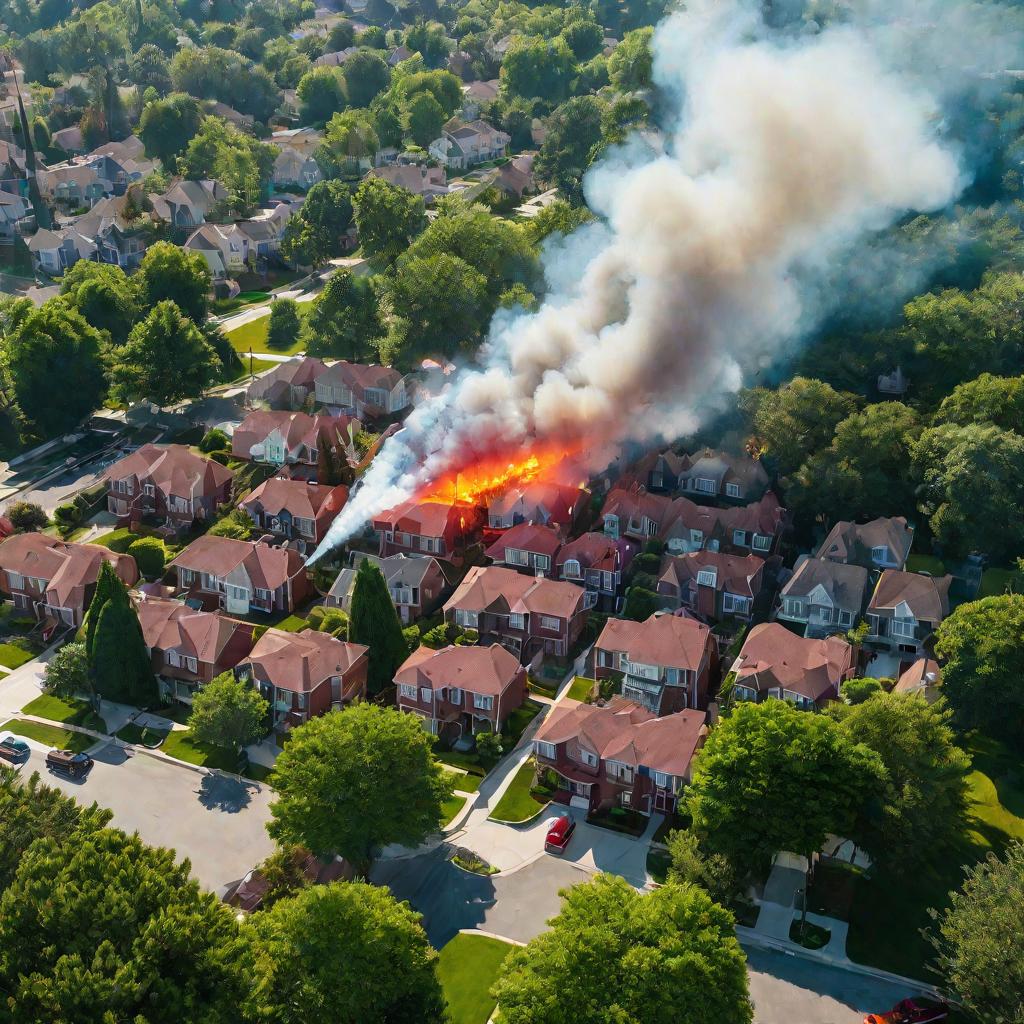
x: 733, y: 573
x: 671, y: 641
x: 296, y: 428
x: 484, y: 670
x: 300, y: 498
x: 171, y: 625
x: 526, y: 537
x: 172, y: 469
x: 852, y: 542
x: 843, y: 584
x: 926, y: 596
x: 267, y: 565
x: 302, y: 661
x: 502, y: 590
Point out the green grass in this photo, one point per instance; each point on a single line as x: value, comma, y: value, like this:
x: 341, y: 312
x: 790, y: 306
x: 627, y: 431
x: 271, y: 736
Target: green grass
x: 17, y: 653
x: 518, y: 721
x: 181, y: 745
x: 62, y: 739
x: 258, y: 366
x: 117, y: 540
x: 292, y: 623
x: 145, y: 737
x: 810, y: 936
x: 580, y: 688
x: 66, y: 711
x: 253, y: 335
x: 176, y: 712
x: 887, y: 914
x: 467, y: 968
x: 996, y: 582
x: 658, y: 863
x: 518, y: 804
x: 926, y: 563
x: 450, y: 808
x: 466, y: 782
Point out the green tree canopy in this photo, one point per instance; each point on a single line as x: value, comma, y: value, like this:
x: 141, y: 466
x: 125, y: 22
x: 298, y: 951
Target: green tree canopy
x: 67, y: 672
x: 574, y: 136
x: 167, y: 126
x: 584, y: 37
x: 538, y: 67
x: 149, y: 68
x: 214, y: 73
x: 388, y: 218
x: 344, y: 321
x: 616, y: 956
x: 442, y: 85
x: 631, y: 62
x: 228, y: 712
x: 104, y: 295
x: 331, y: 955
x: 242, y: 164
x: 335, y: 791
x: 375, y: 624
x: 284, y: 325
x: 424, y: 118
x: 316, y: 233
x: 349, y: 144
x: 986, y: 399
x: 366, y: 74
x: 27, y: 516
x: 321, y: 94
x: 180, y: 275
x: 559, y: 219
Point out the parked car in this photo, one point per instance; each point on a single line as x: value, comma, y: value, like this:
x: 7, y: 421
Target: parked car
x: 13, y: 748
x: 69, y: 762
x: 917, y: 1010
x: 559, y: 833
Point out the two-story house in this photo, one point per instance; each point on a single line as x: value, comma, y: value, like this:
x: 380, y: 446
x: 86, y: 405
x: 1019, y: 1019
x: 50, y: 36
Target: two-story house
x: 295, y: 510
x: 883, y: 543
x: 427, y: 527
x: 528, y: 547
x: 618, y: 755
x: 190, y: 647
x: 596, y: 562
x: 281, y: 438
x: 293, y: 169
x: 417, y: 583
x: 712, y: 584
x: 825, y: 597
x: 905, y: 610
x: 287, y: 385
x: 54, y: 580
x: 464, y: 145
x: 635, y: 513
x: 774, y: 662
x: 242, y: 576
x: 666, y: 662
x: 539, y: 502
x: 305, y: 674
x: 526, y: 614
x: 757, y: 527
x: 362, y: 390
x: 169, y: 482
x: 186, y: 204
x: 428, y: 182
x: 710, y: 474
x: 460, y: 691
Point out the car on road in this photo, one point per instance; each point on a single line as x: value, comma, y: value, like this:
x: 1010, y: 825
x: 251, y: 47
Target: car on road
x: 916, y: 1010
x: 68, y: 762
x: 12, y: 748
x: 560, y: 831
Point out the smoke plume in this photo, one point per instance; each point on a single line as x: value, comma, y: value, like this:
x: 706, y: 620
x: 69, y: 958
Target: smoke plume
x: 786, y: 152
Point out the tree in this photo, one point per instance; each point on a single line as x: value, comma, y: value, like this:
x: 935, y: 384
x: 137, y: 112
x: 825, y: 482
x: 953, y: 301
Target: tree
x: 210, y: 72
x: 797, y: 420
x: 537, y: 67
x: 285, y: 323
x: 856, y: 691
x: 27, y: 517
x: 986, y: 399
x: 366, y: 74
x: 317, y: 232
x: 631, y: 62
x: 214, y: 440
x: 155, y: 948
x: 692, y: 865
x: 236, y: 525
x: 344, y: 321
x: 375, y: 624
x: 972, y: 488
x: 558, y: 219
x: 341, y: 36
x: 53, y: 370
x: 980, y: 955
x: 334, y: 789
x: 104, y: 295
x: 428, y: 39
x: 772, y: 777
x: 349, y: 145
x: 242, y: 164
x: 227, y: 712
x: 584, y: 37
x: 180, y: 275
x: 148, y: 68
x: 167, y: 126
x: 613, y: 954
x: 328, y: 955
x: 40, y: 133
x: 917, y: 812
x: 67, y: 672
x: 388, y: 218
x: 424, y: 118
x: 108, y: 588
x: 983, y: 665
x: 148, y: 553
x: 574, y: 135
x: 121, y: 667
x: 321, y: 95
x: 442, y: 85
x: 165, y: 360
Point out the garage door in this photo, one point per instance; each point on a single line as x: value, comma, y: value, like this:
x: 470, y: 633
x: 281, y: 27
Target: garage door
x: 581, y: 802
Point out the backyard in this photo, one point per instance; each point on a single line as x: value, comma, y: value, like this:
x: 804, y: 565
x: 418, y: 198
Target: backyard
x: 467, y: 968
x: 252, y: 336
x: 15, y: 651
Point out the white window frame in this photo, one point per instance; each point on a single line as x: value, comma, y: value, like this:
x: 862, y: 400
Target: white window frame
x: 572, y: 568
x: 466, y: 619
x: 542, y: 561
x: 732, y: 490
x: 589, y: 758
x: 739, y: 538
x: 407, y: 690
x: 426, y: 694
x: 880, y: 554
x: 516, y: 620
x: 706, y: 486
x: 696, y: 536
x: 550, y: 622
x: 483, y: 702
x: 545, y: 749
x: 661, y: 780
x: 516, y: 556
x: 707, y: 577
x: 761, y: 542
x: 455, y: 695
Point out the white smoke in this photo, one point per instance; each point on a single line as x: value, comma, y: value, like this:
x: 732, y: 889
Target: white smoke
x: 786, y: 152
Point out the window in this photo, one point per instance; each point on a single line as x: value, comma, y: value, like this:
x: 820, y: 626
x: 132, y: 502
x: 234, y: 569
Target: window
x: 846, y: 618
x: 16, y: 581
x: 483, y: 702
x: 650, y: 527
x: 541, y: 562
x: 657, y: 480
x: 185, y: 577
x: 516, y: 620
x: 407, y: 690
x: 548, y: 622
x: 466, y: 619
x: 880, y: 554
x: 707, y: 577
x: 237, y: 593
x: 606, y: 659
x: 432, y: 544
x: 425, y: 694
x: 514, y: 556
x: 706, y: 486
x: 661, y: 780
x: 149, y: 490
x: 263, y: 596
x: 732, y: 490
x: 761, y: 542
x: 696, y: 537
x: 455, y: 697
x: 571, y: 568
x: 739, y: 538
x: 589, y: 758
x: 173, y: 659
x: 191, y: 664
x: 626, y: 797
x: 403, y: 539
x: 732, y: 603
x: 304, y: 526
x: 545, y: 750
x: 607, y: 581
x: 619, y: 770
x: 611, y: 526
x: 794, y: 607
x: 903, y: 627
x: 672, y: 676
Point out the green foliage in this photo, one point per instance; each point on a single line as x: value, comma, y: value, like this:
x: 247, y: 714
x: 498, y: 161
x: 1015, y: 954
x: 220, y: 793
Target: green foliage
x: 612, y: 954
x: 67, y: 672
x: 388, y: 218
x: 148, y: 553
x: 284, y: 324
x: 167, y: 126
x: 344, y: 321
x: 333, y: 621
x: 349, y: 145
x: 334, y: 784
x: 977, y: 939
x: 168, y: 272
x: 242, y: 164
x: 214, y: 440
x: 574, y: 137
x: 856, y: 691
x: 148, y: 68
x: 771, y: 778
x: 104, y: 295
x: 437, y: 637
x: 986, y: 399
x: 366, y: 74
x: 584, y: 37
x: 236, y: 525
x: 210, y: 72
x: 321, y: 95
x: 27, y: 517
x: 108, y: 588
x: 227, y: 712
x: 692, y: 865
x: 331, y: 953
x: 424, y: 118
x: 428, y: 39
x: 983, y: 665
x: 375, y: 624
x: 67, y: 517
x: 121, y: 666
x: 317, y: 232
x: 538, y: 67
x: 631, y: 63
x: 641, y: 603
x: 558, y: 218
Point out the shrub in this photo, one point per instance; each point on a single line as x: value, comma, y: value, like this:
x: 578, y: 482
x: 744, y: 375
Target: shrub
x: 149, y: 554
x: 436, y: 638
x: 214, y: 440
x: 27, y: 517
x: 67, y: 517
x: 489, y: 747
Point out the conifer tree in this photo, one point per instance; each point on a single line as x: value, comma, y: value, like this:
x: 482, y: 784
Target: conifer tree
x: 374, y: 622
x: 120, y: 665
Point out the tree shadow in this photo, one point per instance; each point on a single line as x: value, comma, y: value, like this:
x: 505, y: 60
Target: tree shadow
x: 221, y: 793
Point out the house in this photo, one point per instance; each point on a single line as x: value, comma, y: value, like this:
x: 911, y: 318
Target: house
x: 337, y: 58
x: 905, y: 610
x: 303, y: 675
x: 527, y: 547
x: 362, y: 390
x: 397, y: 55
x: 72, y: 184
x: 595, y: 562
x: 54, y: 580
x: 757, y: 527
x: 295, y: 509
x: 242, y: 576
x: 539, y: 502
x: 528, y: 615
x: 464, y: 145
x: 68, y: 139
x: 773, y: 662
x: 825, y: 597
x: 883, y: 543
x: 225, y: 247
x: 924, y: 678
x: 120, y: 229
x: 708, y: 473
x: 14, y: 209
x: 190, y: 647
x: 515, y: 178
x: 187, y: 204
x: 712, y: 584
x: 301, y: 140
x: 895, y: 383
x: 54, y: 251
x: 287, y: 385
x: 430, y: 527
x: 666, y: 662
x: 246, y: 122
x: 169, y: 482
x: 618, y: 755
x: 428, y: 182
x: 460, y: 691
x: 476, y: 95
x: 635, y: 513
x: 295, y: 169
x: 417, y: 584
x: 281, y: 438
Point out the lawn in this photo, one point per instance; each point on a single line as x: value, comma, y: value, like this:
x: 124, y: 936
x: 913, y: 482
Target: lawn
x: 926, y: 563
x: 465, y: 782
x: 117, y: 540
x: 253, y: 335
x: 258, y: 366
x: 136, y: 734
x: 17, y: 653
x: 65, y: 710
x: 518, y: 721
x: 61, y: 739
x: 181, y: 745
x: 467, y: 968
x: 887, y: 914
x: 450, y: 808
x: 518, y: 804
x: 996, y: 582
x: 292, y: 624
x: 581, y: 688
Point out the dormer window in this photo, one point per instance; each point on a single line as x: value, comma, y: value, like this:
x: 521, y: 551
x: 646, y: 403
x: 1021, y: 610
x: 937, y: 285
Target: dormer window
x: 880, y: 554
x: 707, y: 577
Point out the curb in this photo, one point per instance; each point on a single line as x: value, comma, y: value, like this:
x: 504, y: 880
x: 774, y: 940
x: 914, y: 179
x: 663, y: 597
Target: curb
x: 491, y: 935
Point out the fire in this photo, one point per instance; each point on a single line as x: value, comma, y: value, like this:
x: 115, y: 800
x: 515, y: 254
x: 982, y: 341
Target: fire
x: 491, y: 475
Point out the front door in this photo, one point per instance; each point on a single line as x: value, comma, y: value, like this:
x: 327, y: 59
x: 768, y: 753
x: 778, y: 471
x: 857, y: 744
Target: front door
x: 664, y: 801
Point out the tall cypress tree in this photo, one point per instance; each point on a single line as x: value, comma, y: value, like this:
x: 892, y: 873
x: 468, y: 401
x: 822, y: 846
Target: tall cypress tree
x: 122, y: 669
x: 108, y: 586
x: 374, y: 623
x: 325, y: 469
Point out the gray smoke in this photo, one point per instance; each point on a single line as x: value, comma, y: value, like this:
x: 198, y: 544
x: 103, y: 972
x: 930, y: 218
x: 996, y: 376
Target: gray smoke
x: 787, y: 151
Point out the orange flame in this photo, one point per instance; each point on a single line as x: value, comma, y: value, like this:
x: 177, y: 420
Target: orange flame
x: 492, y: 475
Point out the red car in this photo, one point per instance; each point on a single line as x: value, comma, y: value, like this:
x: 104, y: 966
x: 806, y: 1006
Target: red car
x: 918, y: 1010
x: 559, y: 833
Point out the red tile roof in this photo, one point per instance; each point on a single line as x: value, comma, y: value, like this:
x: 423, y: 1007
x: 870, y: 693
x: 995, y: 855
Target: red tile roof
x: 494, y: 588
x: 544, y: 540
x: 268, y: 566
x: 299, y: 497
x: 733, y: 573
x: 484, y: 670
x: 171, y: 625
x: 172, y: 469
x: 300, y: 662
x: 671, y: 641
